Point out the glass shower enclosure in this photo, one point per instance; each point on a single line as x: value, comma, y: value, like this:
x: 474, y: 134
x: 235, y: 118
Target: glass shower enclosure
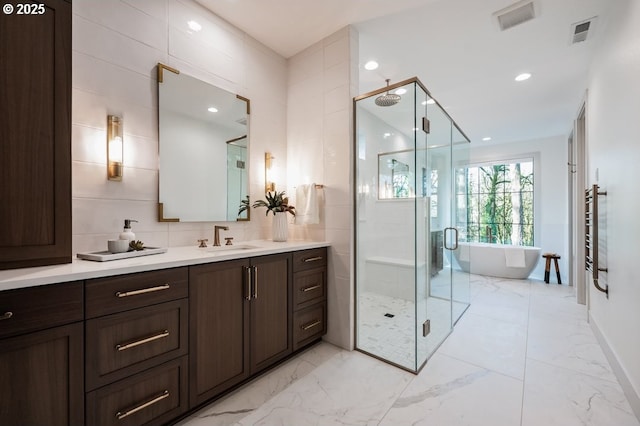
x: 409, y: 293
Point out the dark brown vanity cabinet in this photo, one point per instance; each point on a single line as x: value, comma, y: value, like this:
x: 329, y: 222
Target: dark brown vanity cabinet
x: 239, y: 321
x: 136, y: 347
x: 35, y: 133
x: 42, y: 355
x: 309, y: 296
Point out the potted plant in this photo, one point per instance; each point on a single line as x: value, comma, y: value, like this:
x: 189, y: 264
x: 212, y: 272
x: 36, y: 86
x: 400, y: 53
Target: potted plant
x: 278, y: 204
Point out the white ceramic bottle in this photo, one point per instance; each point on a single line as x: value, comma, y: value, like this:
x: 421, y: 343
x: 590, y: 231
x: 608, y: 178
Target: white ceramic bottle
x: 127, y: 233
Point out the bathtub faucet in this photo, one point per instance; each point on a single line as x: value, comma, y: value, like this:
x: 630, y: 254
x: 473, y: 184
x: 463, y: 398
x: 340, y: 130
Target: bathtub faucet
x: 489, y: 234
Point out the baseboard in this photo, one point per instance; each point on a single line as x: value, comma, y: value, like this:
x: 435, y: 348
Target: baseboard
x: 627, y: 387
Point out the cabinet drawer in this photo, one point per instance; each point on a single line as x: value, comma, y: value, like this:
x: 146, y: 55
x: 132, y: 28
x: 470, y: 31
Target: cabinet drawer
x: 309, y: 287
x: 124, y: 292
x: 309, y: 259
x: 150, y: 398
x: 36, y: 308
x: 122, y: 344
x: 309, y: 324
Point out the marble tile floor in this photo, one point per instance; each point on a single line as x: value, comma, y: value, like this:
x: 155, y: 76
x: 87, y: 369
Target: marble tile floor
x: 522, y: 355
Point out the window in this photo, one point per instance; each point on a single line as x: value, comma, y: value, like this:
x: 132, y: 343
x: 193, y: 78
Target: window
x: 494, y: 202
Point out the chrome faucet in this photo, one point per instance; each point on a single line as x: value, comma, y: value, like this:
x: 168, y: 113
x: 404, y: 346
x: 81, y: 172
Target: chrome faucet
x: 216, y: 234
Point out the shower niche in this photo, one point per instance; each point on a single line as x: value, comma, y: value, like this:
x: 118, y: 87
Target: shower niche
x: 409, y: 292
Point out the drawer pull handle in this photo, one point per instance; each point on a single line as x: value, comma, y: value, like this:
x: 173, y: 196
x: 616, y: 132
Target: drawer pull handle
x: 142, y: 291
x: 6, y: 315
x: 122, y: 414
x: 313, y: 287
x: 125, y: 346
x: 310, y: 325
x: 312, y: 259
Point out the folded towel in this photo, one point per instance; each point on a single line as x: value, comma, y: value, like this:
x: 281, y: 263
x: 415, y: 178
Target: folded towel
x: 307, y: 210
x: 514, y: 257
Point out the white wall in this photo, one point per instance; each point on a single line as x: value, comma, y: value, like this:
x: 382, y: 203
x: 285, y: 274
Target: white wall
x: 551, y: 225
x: 116, y: 46
x: 613, y: 126
x: 322, y: 82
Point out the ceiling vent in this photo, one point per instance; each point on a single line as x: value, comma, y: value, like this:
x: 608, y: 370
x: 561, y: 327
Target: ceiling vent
x: 581, y: 30
x: 515, y: 14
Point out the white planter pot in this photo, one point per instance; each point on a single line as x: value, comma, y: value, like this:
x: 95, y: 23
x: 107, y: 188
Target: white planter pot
x: 280, y: 230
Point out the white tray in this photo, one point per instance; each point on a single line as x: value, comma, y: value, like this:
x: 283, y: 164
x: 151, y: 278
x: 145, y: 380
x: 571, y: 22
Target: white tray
x: 103, y: 256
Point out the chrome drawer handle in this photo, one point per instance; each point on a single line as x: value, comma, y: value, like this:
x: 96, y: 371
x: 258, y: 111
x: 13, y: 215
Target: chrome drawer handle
x: 313, y: 259
x: 122, y: 414
x: 6, y: 315
x: 142, y: 291
x: 314, y: 287
x: 311, y: 325
x: 125, y: 346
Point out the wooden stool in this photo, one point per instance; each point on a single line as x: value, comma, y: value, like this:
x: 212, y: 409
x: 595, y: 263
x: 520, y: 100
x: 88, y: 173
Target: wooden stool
x: 547, y: 266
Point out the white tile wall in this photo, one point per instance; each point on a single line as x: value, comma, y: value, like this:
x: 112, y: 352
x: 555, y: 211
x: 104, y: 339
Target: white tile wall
x: 321, y: 86
x: 116, y: 46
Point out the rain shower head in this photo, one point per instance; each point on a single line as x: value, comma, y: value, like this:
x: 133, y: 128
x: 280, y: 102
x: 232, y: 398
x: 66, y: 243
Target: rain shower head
x: 388, y: 99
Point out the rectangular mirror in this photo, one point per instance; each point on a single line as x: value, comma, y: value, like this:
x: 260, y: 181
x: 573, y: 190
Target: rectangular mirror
x: 203, y: 150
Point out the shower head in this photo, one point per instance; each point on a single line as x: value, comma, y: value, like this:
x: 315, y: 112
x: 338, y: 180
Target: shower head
x: 388, y: 99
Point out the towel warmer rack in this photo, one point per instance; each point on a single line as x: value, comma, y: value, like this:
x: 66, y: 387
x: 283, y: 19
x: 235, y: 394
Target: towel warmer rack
x: 591, y: 236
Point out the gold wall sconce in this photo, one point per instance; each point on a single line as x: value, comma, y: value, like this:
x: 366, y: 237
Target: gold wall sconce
x: 269, y: 184
x: 114, y: 148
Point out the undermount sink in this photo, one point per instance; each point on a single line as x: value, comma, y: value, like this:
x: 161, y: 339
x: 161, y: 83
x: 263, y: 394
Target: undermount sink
x: 230, y: 248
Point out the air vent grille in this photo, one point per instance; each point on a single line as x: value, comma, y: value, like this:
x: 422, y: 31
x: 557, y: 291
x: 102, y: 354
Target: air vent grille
x: 515, y: 14
x: 581, y: 30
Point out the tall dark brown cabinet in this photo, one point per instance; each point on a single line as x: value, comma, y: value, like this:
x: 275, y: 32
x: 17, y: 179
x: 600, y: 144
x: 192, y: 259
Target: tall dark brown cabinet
x: 35, y: 134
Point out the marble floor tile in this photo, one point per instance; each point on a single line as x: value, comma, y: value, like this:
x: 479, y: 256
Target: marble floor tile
x: 556, y: 396
x: 449, y: 392
x: 245, y: 400
x: 349, y: 389
x: 490, y: 343
x: 501, y: 305
x: 567, y: 345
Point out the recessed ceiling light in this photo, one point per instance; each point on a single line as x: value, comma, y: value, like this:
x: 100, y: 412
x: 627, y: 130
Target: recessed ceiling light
x: 401, y: 91
x: 386, y: 135
x: 431, y: 101
x: 193, y: 25
x: 212, y: 109
x: 524, y: 76
x: 487, y: 138
x: 371, y: 65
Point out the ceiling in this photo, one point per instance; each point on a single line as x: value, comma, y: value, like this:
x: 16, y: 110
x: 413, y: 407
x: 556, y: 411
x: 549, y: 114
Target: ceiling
x: 455, y: 47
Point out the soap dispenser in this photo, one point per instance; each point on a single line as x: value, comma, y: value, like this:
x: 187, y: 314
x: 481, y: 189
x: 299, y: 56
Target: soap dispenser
x: 126, y: 233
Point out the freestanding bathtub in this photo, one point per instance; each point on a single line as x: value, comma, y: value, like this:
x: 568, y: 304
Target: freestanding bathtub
x: 497, y: 260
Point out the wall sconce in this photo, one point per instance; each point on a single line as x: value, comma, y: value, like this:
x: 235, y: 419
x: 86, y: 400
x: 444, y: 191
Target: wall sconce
x: 114, y: 148
x: 269, y: 184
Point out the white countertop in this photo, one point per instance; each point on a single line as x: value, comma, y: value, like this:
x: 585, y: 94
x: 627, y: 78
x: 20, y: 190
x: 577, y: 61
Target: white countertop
x: 174, y: 257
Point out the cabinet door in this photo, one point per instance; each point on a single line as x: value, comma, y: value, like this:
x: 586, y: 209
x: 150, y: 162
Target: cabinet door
x: 35, y: 134
x: 41, y: 378
x: 218, y: 328
x: 270, y: 309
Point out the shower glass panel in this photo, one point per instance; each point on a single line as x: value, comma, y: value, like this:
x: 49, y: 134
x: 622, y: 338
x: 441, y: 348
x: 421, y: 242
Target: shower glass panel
x: 404, y: 210
x: 460, y: 287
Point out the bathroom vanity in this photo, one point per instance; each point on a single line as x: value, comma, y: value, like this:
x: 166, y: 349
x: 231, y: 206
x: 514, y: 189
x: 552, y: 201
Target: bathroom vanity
x: 148, y: 340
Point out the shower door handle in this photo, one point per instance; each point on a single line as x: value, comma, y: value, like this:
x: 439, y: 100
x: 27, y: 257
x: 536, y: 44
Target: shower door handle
x: 455, y: 230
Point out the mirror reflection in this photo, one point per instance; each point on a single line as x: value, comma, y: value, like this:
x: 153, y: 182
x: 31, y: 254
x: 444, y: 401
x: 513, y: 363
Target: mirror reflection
x: 203, y: 150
